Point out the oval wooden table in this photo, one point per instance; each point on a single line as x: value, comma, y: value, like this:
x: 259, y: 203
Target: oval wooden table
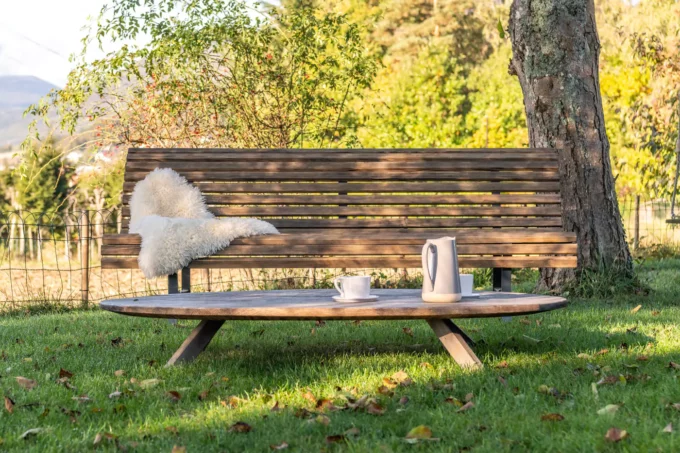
x: 215, y: 308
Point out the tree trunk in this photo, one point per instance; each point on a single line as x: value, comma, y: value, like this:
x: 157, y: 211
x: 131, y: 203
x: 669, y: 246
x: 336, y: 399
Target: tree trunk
x: 555, y: 56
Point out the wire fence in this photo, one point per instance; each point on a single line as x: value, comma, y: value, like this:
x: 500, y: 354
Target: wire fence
x: 57, y: 259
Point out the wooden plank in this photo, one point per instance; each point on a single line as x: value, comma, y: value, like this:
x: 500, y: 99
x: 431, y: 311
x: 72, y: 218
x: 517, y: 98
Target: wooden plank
x: 366, y: 249
x: 196, y: 342
x: 328, y: 166
x: 375, y: 211
x: 414, y: 151
x: 339, y: 156
x: 508, y: 175
x: 453, y: 339
x: 317, y: 304
x: 462, y: 237
x: 375, y: 187
x: 354, y: 262
x: 461, y: 199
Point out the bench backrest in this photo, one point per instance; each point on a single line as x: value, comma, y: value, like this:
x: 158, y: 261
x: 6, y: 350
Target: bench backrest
x: 362, y: 193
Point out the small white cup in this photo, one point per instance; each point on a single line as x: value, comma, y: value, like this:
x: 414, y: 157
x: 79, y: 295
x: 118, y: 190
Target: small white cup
x: 358, y: 287
x: 466, y: 284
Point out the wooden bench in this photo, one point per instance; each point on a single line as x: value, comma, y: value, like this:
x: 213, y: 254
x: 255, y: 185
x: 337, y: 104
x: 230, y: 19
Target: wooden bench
x: 369, y: 208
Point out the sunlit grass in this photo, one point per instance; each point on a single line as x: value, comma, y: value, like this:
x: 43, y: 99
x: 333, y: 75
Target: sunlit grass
x: 262, y: 363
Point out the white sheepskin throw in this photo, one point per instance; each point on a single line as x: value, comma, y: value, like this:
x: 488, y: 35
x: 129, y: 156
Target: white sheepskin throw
x: 176, y: 227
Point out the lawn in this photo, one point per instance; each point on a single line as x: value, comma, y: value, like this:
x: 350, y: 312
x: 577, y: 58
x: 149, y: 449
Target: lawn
x: 546, y: 378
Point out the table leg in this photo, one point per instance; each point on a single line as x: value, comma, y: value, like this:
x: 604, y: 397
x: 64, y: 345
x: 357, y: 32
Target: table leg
x: 455, y: 341
x: 196, y: 342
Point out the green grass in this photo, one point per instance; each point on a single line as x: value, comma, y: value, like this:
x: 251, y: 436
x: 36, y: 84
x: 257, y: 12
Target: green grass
x: 266, y: 362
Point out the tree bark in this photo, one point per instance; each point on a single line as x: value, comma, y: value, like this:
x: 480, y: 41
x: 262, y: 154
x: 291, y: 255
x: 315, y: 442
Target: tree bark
x: 555, y: 56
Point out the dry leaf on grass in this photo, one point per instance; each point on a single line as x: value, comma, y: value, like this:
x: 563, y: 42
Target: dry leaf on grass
x: 374, y: 408
x: 608, y: 409
x: 309, y: 396
x: 469, y: 397
x: 615, y: 434
x: 635, y: 310
x: 420, y: 433
x: 455, y: 401
x: 9, y: 404
x: 674, y: 365
x: 65, y: 373
x: 276, y: 407
x: 668, y: 428
x: 408, y: 331
x: 26, y: 383
x: 466, y: 407
x: 174, y: 395
x: 240, y: 427
x: 403, y: 400
x: 178, y: 449
x: 148, y: 383
x: 119, y: 373
x: 336, y: 438
x: 554, y: 417
x: 321, y: 419
x: 30, y: 433
x: 281, y: 446
x: 385, y: 390
x: 172, y: 429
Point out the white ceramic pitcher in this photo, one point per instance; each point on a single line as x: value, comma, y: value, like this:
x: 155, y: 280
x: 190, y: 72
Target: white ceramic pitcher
x: 441, y: 278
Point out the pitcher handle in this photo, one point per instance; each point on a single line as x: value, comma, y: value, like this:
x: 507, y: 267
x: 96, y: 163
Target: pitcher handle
x: 427, y: 272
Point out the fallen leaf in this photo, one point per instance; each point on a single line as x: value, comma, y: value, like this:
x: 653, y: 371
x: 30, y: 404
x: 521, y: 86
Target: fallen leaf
x: 503, y: 364
x: 322, y: 420
x: 668, y: 428
x: 673, y: 365
x: 554, y: 417
x: 375, y: 408
x: 303, y: 413
x: 9, y: 405
x: 174, y: 395
x: 608, y: 409
x: 326, y: 405
x: 26, y: 383
x: 401, y: 378
x: 385, y: 390
x: 240, y: 427
x: 203, y: 395
x: 309, y: 397
x: 408, y: 331
x: 119, y: 373
x: 281, y: 446
x: 275, y: 407
x: 65, y: 374
x: 115, y: 394
x: 615, y: 434
x: 336, y: 438
x: 81, y: 398
x: 469, y: 397
x: 634, y: 310
x: 148, y: 383
x: 178, y: 449
x: 502, y: 380
x: 426, y: 365
x: 420, y: 432
x: 403, y: 400
x: 30, y: 433
x: 172, y: 429
x: 455, y: 401
x: 97, y: 439
x: 642, y: 358
x: 467, y: 406
x: 353, y: 431
x: 116, y: 341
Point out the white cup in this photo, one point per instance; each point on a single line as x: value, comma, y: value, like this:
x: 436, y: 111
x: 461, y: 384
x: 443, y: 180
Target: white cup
x: 353, y: 287
x: 466, y: 284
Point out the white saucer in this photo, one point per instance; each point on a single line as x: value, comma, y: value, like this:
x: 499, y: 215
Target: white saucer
x: 469, y: 296
x: 347, y: 301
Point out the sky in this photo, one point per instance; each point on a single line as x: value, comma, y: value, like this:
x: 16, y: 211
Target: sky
x: 37, y: 36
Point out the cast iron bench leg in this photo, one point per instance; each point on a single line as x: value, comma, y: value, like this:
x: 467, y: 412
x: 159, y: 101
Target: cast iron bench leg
x: 196, y: 342
x: 455, y: 341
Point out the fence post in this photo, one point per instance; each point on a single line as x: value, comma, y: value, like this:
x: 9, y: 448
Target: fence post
x: 84, y: 258
x: 636, y: 237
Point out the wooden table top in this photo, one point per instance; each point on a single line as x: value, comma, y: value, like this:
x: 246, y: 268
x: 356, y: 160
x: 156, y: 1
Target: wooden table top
x: 311, y: 304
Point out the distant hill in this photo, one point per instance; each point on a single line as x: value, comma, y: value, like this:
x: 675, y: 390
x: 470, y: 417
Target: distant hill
x: 16, y: 94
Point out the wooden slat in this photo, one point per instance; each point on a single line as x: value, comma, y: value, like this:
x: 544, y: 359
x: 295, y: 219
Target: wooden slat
x: 539, y: 175
x: 414, y: 151
x: 344, y: 249
x: 351, y: 166
x: 376, y: 187
x: 418, y: 222
x: 355, y: 262
x: 462, y: 237
x: 348, y: 200
x: 339, y: 156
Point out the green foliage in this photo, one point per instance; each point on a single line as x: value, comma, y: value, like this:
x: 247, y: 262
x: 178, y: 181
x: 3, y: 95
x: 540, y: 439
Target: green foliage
x: 212, y: 76
x: 43, y: 188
